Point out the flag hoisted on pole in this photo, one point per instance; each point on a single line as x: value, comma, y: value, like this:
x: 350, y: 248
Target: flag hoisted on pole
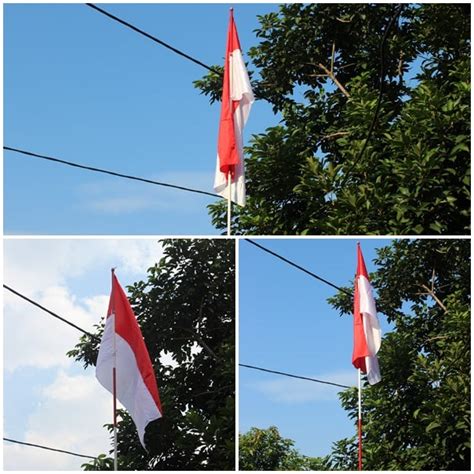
x: 124, y: 367
x: 367, y: 332
x: 237, y: 100
x: 367, y: 336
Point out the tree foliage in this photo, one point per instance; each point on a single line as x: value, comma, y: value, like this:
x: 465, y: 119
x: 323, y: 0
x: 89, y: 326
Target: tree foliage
x: 418, y: 417
x: 267, y: 450
x: 318, y: 65
x: 186, y: 313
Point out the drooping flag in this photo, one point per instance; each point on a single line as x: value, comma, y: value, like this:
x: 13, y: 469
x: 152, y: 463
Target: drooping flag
x: 367, y: 332
x: 122, y: 346
x: 237, y: 99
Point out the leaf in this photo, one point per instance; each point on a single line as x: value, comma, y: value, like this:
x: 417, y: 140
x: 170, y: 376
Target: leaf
x: 432, y: 426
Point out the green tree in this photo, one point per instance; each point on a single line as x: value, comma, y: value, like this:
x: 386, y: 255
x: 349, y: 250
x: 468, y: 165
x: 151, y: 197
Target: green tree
x: 186, y: 311
x: 267, y: 450
x: 318, y: 65
x: 418, y: 416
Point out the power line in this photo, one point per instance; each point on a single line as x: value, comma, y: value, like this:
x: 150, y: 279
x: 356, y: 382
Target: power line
x: 95, y: 337
x: 299, y: 267
x: 112, y: 173
x: 153, y: 38
x: 48, y: 448
x: 381, y: 89
x: 294, y: 376
x: 17, y: 293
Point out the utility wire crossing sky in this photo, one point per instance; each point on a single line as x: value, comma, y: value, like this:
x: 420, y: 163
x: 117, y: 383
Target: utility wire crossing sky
x: 48, y: 448
x: 92, y: 336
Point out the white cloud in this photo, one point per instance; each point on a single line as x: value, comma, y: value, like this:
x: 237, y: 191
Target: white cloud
x: 106, y: 197
x: 293, y: 391
x: 43, y: 269
x: 34, y: 339
x: 32, y: 264
x: 70, y: 415
x: 69, y: 388
x: 121, y: 204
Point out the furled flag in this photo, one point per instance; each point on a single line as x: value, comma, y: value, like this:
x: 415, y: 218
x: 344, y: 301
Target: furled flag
x: 237, y: 99
x: 122, y: 346
x: 367, y: 332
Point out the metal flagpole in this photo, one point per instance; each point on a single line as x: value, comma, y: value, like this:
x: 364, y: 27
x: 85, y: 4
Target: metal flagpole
x: 229, y: 201
x: 114, y: 382
x: 229, y: 173
x: 360, y: 423
x: 115, y: 419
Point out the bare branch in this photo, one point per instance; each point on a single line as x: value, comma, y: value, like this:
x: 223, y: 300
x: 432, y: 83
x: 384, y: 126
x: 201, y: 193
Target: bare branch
x: 331, y: 136
x: 430, y: 291
x: 347, y: 65
x: 209, y: 392
x: 433, y: 280
x: 332, y: 57
x: 330, y: 74
x: 343, y: 20
x: 334, y: 79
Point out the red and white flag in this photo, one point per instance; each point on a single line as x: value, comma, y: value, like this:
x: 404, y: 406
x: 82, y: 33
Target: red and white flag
x: 122, y: 346
x: 367, y: 332
x: 237, y: 99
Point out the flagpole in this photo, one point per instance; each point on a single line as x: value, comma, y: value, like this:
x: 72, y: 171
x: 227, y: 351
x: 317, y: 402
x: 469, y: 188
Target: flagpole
x: 114, y: 385
x: 360, y: 421
x: 229, y: 202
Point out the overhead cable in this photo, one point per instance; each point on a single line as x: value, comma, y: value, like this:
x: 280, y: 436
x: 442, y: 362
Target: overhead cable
x: 95, y: 337
x: 111, y: 173
x: 48, y: 448
x: 153, y: 38
x: 64, y: 320
x: 299, y: 267
x: 294, y: 376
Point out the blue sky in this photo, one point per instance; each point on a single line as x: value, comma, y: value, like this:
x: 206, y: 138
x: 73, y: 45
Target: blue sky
x: 48, y: 398
x: 81, y: 87
x: 286, y: 324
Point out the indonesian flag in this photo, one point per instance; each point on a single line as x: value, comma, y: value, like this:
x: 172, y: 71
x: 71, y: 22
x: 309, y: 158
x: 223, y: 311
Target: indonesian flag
x: 237, y: 99
x: 136, y: 386
x: 367, y: 332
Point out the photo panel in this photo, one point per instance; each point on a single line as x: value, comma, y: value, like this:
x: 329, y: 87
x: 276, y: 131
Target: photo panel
x: 157, y: 334
x: 313, y: 119
x: 318, y: 317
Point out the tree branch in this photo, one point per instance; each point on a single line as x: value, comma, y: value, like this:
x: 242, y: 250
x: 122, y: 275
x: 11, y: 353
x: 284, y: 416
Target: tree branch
x: 331, y: 136
x: 212, y: 391
x: 332, y: 57
x: 430, y: 291
x: 333, y: 78
x: 343, y: 20
x: 330, y: 72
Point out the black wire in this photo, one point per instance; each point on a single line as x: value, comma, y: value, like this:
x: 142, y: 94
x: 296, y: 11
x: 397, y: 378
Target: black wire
x: 294, y: 376
x: 299, y: 267
x: 112, y: 173
x: 49, y: 449
x: 381, y: 89
x: 153, y: 38
x: 49, y: 312
x: 96, y: 338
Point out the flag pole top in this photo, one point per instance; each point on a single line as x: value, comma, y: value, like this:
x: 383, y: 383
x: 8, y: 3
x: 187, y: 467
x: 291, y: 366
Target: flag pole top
x: 113, y: 270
